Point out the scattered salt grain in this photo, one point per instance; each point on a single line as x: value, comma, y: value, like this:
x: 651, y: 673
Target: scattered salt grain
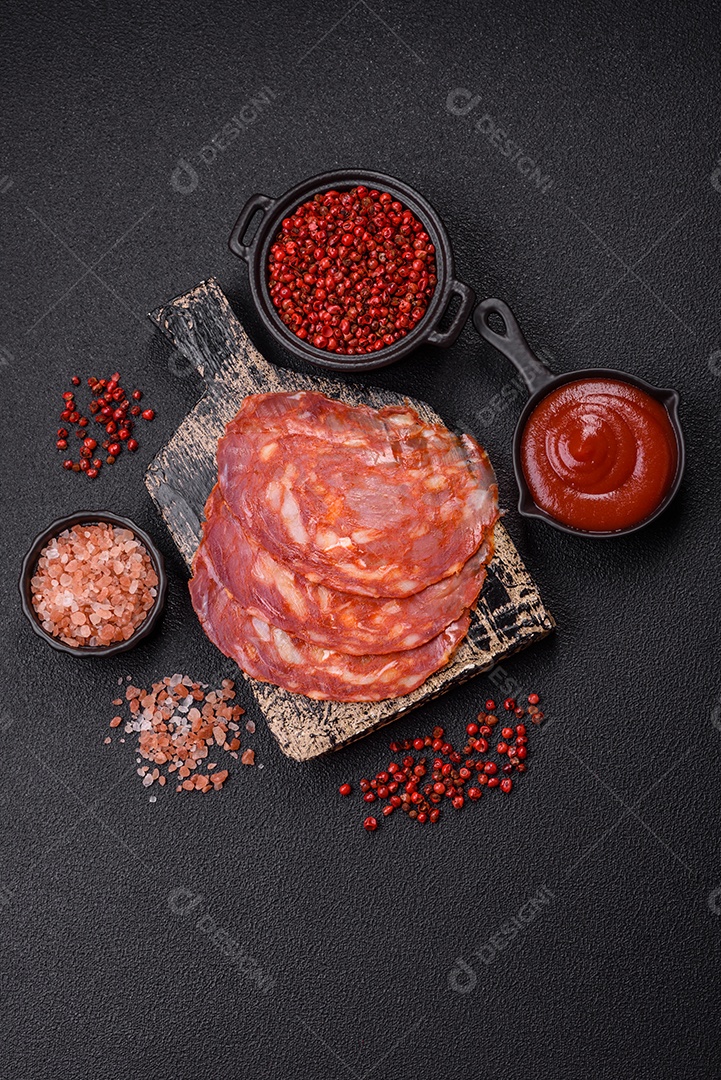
x: 176, y: 723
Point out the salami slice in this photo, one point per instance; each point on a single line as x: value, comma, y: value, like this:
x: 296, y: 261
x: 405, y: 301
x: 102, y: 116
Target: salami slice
x: 310, y: 413
x: 270, y: 654
x: 345, y: 622
x: 385, y: 508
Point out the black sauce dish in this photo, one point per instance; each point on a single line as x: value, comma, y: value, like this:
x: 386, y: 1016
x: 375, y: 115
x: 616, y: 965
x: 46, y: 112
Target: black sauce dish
x: 540, y: 381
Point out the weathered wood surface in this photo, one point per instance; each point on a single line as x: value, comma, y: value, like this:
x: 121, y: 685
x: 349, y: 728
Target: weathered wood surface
x: 510, y: 613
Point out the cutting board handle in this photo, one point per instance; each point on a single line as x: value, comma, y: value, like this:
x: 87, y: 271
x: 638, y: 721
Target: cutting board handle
x: 210, y: 339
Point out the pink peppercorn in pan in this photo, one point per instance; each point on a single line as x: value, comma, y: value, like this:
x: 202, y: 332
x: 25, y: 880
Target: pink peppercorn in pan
x: 352, y: 271
x: 93, y: 584
x: 392, y: 218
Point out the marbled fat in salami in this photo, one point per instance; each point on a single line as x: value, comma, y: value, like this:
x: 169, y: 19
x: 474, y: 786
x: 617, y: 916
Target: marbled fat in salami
x: 345, y: 622
x: 270, y: 654
x: 373, y: 502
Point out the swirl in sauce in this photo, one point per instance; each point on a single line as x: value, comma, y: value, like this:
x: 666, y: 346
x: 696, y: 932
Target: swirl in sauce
x: 599, y: 455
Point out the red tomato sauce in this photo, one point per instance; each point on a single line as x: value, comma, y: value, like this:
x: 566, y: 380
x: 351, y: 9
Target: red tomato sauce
x: 599, y: 455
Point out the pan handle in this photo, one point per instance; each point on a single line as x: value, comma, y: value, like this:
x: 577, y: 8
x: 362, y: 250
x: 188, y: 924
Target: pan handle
x: 444, y: 338
x: 235, y: 242
x: 512, y: 343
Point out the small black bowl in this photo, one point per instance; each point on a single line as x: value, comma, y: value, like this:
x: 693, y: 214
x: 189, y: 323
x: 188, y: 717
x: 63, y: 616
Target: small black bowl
x: 87, y: 518
x: 256, y: 253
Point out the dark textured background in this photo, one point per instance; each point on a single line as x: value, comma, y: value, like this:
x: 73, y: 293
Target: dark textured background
x: 615, y: 264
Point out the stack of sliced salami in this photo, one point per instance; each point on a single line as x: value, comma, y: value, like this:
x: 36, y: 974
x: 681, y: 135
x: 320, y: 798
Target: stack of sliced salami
x: 343, y: 546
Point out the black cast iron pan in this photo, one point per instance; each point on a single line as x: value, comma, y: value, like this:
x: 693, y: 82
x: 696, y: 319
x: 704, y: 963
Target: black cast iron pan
x: 540, y: 381
x: 255, y: 254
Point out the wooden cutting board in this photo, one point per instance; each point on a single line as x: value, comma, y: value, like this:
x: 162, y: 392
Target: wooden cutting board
x: 510, y: 613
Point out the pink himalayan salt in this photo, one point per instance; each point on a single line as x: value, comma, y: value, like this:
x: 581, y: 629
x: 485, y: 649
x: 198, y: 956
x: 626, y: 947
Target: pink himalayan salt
x: 94, y: 585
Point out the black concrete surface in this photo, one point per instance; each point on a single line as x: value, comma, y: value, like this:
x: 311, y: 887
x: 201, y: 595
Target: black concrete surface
x: 392, y: 955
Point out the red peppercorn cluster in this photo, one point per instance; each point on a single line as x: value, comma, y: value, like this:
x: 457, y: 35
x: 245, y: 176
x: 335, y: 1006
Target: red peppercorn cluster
x: 418, y: 788
x: 110, y: 406
x: 352, y: 272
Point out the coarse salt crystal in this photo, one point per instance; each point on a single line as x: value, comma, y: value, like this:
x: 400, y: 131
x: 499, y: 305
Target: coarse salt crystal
x: 168, y: 737
x: 87, y: 581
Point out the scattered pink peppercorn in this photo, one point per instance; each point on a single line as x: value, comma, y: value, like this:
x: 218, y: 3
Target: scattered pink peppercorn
x: 112, y: 407
x: 453, y: 775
